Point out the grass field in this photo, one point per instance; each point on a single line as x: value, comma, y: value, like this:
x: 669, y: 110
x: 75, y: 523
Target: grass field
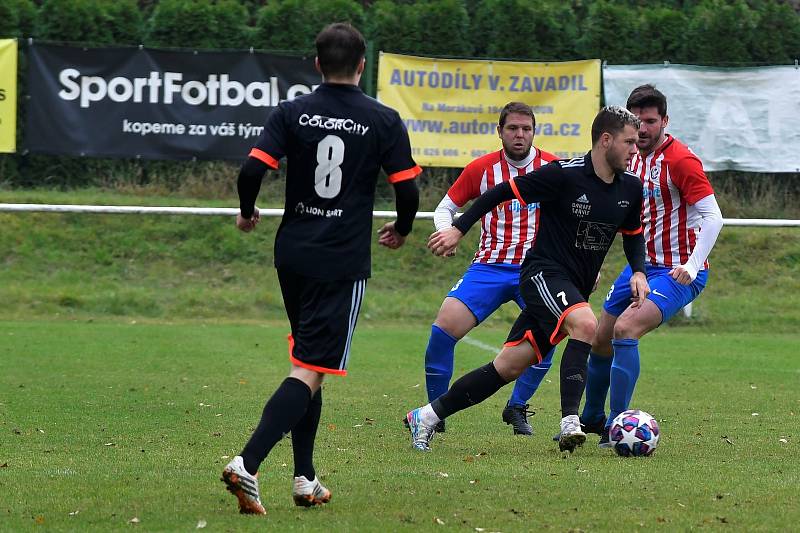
x: 166, y: 267
x: 105, y: 422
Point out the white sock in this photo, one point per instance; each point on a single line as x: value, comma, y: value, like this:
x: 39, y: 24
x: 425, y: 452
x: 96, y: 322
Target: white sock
x: 428, y: 416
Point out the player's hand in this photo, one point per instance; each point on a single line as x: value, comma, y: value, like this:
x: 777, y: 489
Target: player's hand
x: 248, y: 224
x: 596, y: 282
x: 682, y: 274
x: 452, y: 253
x: 388, y: 236
x: 445, y: 241
x: 639, y: 289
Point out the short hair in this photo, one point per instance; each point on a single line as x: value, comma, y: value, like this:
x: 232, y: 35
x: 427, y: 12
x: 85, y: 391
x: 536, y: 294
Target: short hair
x: 648, y: 96
x: 613, y: 119
x: 518, y: 108
x: 340, y: 49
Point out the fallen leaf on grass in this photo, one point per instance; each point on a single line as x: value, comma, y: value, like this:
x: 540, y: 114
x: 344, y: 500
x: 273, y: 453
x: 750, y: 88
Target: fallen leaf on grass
x: 443, y: 474
x: 753, y: 414
x: 4, y: 465
x: 73, y: 513
x: 133, y: 520
x: 438, y: 521
x: 779, y: 440
x: 109, y: 444
x: 358, y: 426
x: 39, y: 520
x: 331, y: 427
x: 201, y: 524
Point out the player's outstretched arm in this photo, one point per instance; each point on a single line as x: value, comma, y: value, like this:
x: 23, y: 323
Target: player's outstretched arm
x: 393, y: 234
x: 483, y: 204
x: 248, y: 184
x: 710, y: 226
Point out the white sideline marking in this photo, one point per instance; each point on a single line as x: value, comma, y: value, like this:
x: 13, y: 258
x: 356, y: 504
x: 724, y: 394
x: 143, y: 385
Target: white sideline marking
x: 232, y: 211
x: 480, y: 344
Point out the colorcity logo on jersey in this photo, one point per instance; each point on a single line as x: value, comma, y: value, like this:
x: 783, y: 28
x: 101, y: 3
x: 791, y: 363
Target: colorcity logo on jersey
x: 169, y: 87
x: 336, y: 124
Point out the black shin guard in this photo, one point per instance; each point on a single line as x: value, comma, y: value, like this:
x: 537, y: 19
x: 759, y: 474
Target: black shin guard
x: 573, y: 375
x: 470, y: 389
x: 303, y: 436
x: 281, y: 413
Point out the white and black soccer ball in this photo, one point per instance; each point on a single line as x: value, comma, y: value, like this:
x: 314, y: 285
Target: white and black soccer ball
x: 634, y: 433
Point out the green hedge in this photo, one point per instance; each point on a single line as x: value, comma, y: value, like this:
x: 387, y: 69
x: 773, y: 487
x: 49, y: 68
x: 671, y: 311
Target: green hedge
x: 717, y: 32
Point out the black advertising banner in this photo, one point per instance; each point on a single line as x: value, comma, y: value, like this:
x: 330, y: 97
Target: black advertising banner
x: 156, y: 104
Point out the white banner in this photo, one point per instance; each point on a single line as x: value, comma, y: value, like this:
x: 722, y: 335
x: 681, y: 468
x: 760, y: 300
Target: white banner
x: 733, y: 118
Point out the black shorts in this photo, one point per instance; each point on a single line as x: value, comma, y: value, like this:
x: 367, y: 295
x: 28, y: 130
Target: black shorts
x: 549, y: 297
x: 323, y: 315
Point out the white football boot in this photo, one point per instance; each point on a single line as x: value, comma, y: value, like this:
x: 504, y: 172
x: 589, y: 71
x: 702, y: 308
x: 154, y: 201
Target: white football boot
x: 309, y: 493
x: 244, y: 486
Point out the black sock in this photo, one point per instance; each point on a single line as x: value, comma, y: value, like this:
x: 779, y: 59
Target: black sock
x: 470, y: 389
x: 303, y: 436
x: 281, y: 413
x: 573, y: 375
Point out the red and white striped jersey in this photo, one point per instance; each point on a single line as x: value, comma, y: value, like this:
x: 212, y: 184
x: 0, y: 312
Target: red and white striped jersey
x: 508, y: 230
x: 673, y: 180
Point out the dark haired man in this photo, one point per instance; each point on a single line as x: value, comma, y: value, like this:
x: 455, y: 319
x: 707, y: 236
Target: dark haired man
x: 507, y: 232
x: 678, y: 203
x: 335, y: 140
x: 583, y: 202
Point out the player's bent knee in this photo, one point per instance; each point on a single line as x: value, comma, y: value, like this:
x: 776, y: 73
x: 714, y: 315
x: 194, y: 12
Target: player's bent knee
x: 627, y: 328
x: 584, y: 329
x: 455, y: 322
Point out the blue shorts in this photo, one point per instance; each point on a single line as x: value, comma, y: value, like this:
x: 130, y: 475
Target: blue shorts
x: 485, y: 287
x: 668, y: 295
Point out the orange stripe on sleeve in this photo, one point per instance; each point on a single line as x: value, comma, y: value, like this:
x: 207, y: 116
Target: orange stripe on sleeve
x: 403, y: 175
x: 516, y: 191
x: 636, y: 231
x: 264, y: 157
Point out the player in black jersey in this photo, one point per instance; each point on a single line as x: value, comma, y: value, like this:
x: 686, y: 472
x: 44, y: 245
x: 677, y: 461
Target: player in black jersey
x: 335, y: 140
x: 584, y: 203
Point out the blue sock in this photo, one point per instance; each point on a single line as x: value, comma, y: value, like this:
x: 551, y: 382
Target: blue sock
x: 439, y: 362
x: 527, y: 383
x: 624, y: 373
x: 598, y: 378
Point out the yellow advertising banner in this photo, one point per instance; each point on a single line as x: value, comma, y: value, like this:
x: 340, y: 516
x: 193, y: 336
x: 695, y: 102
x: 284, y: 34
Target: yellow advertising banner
x: 8, y: 95
x: 451, y: 107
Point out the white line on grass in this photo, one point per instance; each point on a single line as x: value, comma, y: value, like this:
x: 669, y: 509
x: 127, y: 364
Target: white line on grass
x: 480, y: 344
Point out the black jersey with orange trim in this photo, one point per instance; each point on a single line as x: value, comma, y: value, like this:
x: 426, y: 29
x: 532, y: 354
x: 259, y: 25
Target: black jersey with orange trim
x: 335, y: 140
x: 580, y: 214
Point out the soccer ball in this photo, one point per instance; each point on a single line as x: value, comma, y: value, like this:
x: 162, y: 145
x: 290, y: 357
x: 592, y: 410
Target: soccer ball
x: 634, y: 433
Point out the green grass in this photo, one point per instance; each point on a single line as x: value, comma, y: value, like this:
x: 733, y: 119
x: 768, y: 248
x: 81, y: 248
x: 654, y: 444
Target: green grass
x: 101, y: 422
x: 164, y: 267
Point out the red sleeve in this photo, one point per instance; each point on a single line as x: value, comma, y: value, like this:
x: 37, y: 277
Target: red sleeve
x: 687, y: 174
x: 547, y: 157
x: 468, y: 184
